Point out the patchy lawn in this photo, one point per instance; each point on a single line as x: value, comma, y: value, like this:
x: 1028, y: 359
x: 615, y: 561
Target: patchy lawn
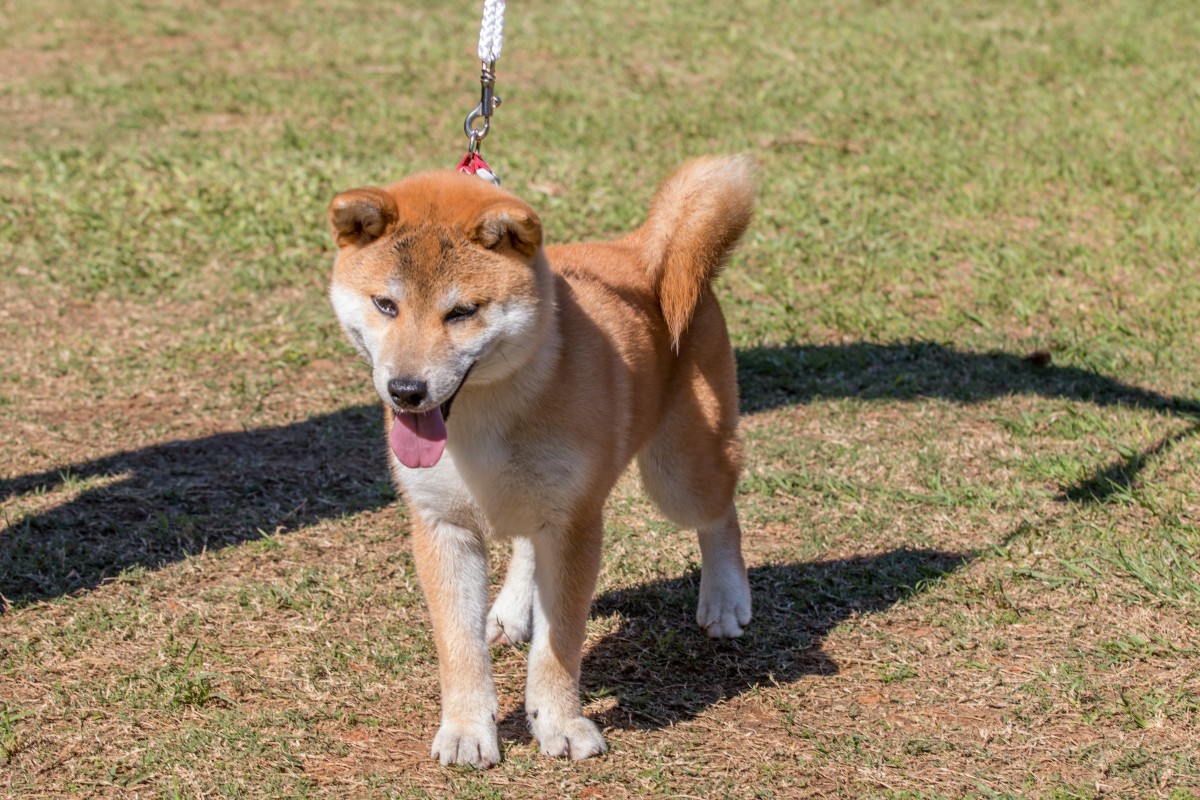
x: 967, y: 319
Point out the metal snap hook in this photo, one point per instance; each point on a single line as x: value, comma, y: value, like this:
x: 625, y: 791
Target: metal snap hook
x: 488, y: 102
x: 476, y: 135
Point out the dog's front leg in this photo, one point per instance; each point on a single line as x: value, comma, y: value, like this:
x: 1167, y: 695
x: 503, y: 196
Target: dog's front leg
x: 567, y: 563
x: 452, y: 565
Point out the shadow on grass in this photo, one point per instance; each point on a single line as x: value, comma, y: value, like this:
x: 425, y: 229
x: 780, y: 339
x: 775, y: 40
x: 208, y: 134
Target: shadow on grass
x: 663, y: 670
x: 771, y: 377
x: 159, y: 504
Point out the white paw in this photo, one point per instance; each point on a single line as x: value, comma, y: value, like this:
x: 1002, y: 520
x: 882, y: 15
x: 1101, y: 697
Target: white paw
x: 475, y: 745
x: 724, y: 605
x: 575, y: 738
x: 510, y: 620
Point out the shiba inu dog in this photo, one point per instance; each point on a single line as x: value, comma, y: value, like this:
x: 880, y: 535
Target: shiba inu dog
x: 519, y: 382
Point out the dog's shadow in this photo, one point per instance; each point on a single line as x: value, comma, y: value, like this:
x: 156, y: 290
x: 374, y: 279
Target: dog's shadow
x: 660, y: 669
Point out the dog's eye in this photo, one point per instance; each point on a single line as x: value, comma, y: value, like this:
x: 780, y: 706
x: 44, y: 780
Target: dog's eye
x: 385, y: 306
x: 464, y: 311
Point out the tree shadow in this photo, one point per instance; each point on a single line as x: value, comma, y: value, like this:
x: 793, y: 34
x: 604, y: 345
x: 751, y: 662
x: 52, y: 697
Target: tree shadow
x: 771, y: 377
x: 159, y: 504
x: 662, y: 669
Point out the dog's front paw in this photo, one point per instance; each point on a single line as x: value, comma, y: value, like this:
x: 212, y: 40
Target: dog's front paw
x: 724, y: 605
x: 474, y: 745
x: 576, y: 738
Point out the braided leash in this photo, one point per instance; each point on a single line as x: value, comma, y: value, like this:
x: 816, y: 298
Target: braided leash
x: 491, y: 31
x: 491, y: 42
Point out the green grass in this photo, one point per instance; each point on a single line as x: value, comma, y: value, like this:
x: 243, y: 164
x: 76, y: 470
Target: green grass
x: 966, y: 322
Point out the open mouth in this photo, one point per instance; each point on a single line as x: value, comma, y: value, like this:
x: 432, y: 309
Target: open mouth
x: 418, y: 440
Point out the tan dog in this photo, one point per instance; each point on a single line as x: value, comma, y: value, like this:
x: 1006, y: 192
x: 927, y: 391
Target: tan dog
x: 560, y: 366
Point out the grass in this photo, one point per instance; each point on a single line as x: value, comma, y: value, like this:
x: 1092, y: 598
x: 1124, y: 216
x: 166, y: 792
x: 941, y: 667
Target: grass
x: 966, y: 327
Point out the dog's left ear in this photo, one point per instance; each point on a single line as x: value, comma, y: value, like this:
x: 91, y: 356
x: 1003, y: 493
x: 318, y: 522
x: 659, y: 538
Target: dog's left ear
x: 509, y: 226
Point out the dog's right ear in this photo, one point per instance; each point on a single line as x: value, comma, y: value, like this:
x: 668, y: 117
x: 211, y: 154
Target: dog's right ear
x: 360, y: 216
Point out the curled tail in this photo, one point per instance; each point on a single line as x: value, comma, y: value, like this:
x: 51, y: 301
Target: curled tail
x: 695, y: 221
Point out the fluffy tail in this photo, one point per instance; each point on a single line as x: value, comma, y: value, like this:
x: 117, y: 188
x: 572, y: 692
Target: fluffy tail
x: 695, y: 221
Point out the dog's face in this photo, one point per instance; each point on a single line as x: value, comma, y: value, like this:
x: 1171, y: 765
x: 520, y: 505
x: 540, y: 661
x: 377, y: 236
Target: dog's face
x: 438, y: 280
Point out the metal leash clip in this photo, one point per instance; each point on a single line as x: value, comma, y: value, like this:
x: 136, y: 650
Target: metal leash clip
x: 488, y: 103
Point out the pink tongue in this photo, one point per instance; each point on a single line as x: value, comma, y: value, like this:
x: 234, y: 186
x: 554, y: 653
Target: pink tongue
x: 418, y: 439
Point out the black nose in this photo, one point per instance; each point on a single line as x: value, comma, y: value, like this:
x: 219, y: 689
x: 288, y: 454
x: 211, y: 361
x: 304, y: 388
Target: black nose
x: 408, y: 392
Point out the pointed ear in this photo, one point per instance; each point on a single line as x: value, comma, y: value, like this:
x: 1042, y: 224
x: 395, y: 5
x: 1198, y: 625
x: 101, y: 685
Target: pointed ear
x: 360, y: 216
x: 509, y: 226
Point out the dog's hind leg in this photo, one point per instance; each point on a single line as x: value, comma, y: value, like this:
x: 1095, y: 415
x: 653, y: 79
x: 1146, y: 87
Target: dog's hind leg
x: 690, y: 469
x: 510, y: 620
x: 724, y: 606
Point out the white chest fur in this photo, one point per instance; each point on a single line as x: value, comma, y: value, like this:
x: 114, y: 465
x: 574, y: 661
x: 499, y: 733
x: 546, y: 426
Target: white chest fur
x: 498, y: 487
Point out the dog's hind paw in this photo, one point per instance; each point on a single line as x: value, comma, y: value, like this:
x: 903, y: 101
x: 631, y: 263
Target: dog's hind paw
x: 724, y: 607
x: 455, y: 745
x: 576, y: 738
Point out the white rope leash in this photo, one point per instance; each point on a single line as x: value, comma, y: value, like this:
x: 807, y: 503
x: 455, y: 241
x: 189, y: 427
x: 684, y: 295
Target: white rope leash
x: 491, y: 31
x: 491, y: 41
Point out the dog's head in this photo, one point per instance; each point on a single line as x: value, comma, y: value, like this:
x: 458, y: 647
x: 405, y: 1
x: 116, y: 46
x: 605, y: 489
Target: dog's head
x: 439, y: 280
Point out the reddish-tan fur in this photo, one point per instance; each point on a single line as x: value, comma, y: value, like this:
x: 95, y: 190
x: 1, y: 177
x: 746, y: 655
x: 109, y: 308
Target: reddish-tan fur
x: 592, y: 354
